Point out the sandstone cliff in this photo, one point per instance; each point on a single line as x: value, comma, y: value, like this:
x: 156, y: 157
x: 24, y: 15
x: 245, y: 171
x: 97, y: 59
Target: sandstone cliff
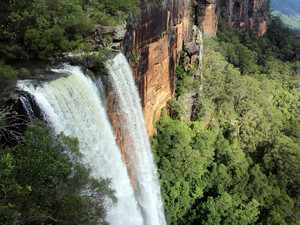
x: 152, y: 44
x: 206, y: 16
x: 246, y: 13
x: 154, y: 38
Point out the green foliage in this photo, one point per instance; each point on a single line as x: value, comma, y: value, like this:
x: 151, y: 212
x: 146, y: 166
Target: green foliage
x: 9, y: 188
x: 253, y: 55
x: 176, y: 109
x: 236, y: 53
x: 185, y: 81
x: 199, y: 42
x: 286, y: 41
x: 179, y: 168
x: 43, y: 181
x: 95, y: 62
x: 243, y: 137
x: 8, y: 76
x: 134, y: 58
x: 45, y: 28
x: 113, y: 7
x: 45, y: 44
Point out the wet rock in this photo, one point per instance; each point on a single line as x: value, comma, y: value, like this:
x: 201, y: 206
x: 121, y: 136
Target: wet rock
x: 17, y: 109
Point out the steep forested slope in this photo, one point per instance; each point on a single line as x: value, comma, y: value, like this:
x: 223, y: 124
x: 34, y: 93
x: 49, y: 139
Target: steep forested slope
x: 237, y: 159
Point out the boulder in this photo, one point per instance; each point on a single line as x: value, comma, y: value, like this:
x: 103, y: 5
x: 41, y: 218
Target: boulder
x: 192, y: 48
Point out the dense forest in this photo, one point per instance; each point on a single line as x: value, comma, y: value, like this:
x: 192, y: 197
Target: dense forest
x: 233, y: 159
x: 236, y: 160
x: 43, y: 29
x: 43, y: 181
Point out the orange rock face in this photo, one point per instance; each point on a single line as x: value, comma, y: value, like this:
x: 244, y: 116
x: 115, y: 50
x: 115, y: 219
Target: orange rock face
x: 262, y: 29
x: 157, y: 82
x: 247, y: 13
x: 156, y: 40
x: 123, y: 139
x: 151, y: 45
x: 210, y: 22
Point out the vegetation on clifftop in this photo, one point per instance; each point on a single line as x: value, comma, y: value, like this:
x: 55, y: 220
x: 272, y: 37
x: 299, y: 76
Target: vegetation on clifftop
x: 237, y: 161
x: 43, y: 29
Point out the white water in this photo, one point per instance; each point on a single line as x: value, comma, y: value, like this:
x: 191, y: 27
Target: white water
x: 148, y: 192
x: 73, y: 105
x: 27, y: 107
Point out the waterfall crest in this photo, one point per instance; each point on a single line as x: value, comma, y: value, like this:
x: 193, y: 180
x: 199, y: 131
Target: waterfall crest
x: 73, y: 105
x: 148, y: 190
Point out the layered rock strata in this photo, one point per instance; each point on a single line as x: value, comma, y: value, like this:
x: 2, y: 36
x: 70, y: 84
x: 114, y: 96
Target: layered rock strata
x: 152, y: 44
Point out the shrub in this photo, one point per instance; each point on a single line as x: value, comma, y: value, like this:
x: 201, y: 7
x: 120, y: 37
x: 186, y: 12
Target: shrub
x: 176, y: 109
x: 8, y: 76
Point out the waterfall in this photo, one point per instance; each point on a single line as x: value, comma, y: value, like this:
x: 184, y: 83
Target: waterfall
x: 27, y: 106
x: 73, y: 105
x: 148, y: 191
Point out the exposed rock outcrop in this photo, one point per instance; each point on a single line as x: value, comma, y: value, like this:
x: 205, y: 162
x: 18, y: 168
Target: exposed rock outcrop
x: 247, y: 13
x: 154, y: 38
x: 123, y: 139
x: 192, y: 48
x: 206, y: 16
x: 108, y: 36
x: 152, y: 44
x: 210, y: 22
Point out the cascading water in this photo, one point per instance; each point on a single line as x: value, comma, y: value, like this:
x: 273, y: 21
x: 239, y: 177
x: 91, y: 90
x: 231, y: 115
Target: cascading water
x: 73, y: 105
x: 27, y: 107
x: 148, y: 191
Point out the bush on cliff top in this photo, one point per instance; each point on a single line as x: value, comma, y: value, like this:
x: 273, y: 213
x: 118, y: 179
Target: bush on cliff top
x: 43, y: 29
